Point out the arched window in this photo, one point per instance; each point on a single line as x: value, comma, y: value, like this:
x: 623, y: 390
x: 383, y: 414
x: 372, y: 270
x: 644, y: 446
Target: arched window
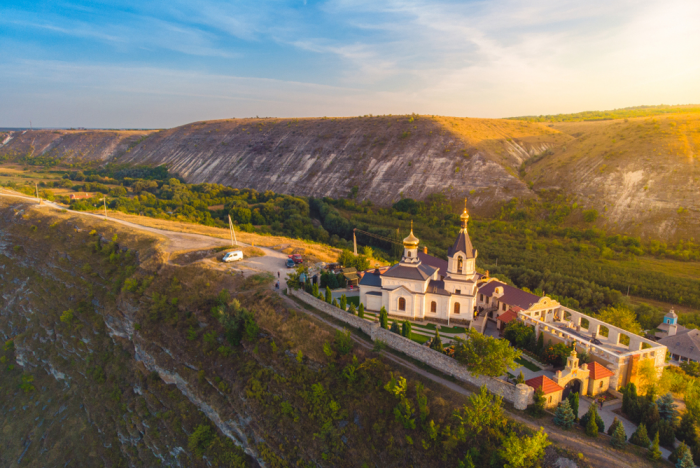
x: 456, y: 307
x: 433, y: 307
x: 459, y: 265
x: 408, y: 254
x: 402, y: 303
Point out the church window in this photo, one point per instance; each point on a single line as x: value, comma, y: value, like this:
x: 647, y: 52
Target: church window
x: 456, y: 307
x: 550, y: 399
x: 408, y: 254
x: 433, y: 307
x: 504, y: 307
x: 459, y: 265
x: 402, y: 303
x: 458, y: 291
x: 601, y: 384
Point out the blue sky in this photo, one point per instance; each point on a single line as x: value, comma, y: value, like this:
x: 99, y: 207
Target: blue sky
x: 161, y: 64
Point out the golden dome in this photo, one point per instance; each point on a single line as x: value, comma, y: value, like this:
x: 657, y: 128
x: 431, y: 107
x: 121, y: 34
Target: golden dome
x: 411, y: 241
x: 465, y: 214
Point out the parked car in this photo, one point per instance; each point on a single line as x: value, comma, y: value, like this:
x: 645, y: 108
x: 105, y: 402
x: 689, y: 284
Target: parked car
x: 233, y: 256
x: 290, y: 263
x: 297, y: 258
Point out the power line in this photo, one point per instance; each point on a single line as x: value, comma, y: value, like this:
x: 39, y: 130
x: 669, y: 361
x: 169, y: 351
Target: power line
x: 386, y: 239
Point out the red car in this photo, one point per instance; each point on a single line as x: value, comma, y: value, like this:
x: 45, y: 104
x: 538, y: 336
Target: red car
x: 297, y: 259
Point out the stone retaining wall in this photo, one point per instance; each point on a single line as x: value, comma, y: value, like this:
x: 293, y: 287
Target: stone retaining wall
x: 520, y: 396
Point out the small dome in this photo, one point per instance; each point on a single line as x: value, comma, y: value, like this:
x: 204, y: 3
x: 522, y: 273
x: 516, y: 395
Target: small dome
x: 465, y: 215
x: 411, y: 241
x: 671, y: 314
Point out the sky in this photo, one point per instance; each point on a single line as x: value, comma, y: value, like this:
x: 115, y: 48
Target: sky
x: 159, y: 64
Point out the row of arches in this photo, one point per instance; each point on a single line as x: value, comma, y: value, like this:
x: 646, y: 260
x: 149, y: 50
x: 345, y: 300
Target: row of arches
x: 433, y: 306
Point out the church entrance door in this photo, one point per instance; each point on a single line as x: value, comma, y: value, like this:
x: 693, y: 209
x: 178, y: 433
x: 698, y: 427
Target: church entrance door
x: 574, y: 386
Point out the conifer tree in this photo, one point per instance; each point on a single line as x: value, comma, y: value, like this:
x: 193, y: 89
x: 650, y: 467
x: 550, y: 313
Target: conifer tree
x: 329, y: 295
x: 383, y: 318
x: 521, y: 379
x: 540, y: 344
x: 667, y: 408
x: 564, y: 417
x: 630, y: 401
x: 640, y: 437
x: 667, y: 435
x: 591, y: 426
x: 361, y: 311
x: 437, y: 342
x: 343, y: 302
x: 573, y: 402
x: 682, y: 457
x: 687, y: 431
x: 618, y: 436
x: 351, y: 309
x: 654, y: 452
x: 539, y: 402
x: 532, y: 342
x: 406, y: 329
x: 335, y: 303
x: 395, y: 328
x: 616, y: 422
x: 314, y: 290
x: 592, y: 413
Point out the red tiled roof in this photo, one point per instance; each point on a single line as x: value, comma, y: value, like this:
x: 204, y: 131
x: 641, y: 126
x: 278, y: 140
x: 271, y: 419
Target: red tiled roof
x: 508, y: 317
x: 545, y: 383
x: 80, y: 195
x: 599, y: 371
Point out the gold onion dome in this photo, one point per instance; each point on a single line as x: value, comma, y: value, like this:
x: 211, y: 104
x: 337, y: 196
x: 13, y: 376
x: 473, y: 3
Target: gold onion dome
x: 411, y: 240
x: 465, y: 214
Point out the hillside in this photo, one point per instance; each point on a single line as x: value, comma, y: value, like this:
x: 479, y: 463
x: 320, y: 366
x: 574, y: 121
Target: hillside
x: 112, y: 356
x: 642, y: 175
x: 69, y: 145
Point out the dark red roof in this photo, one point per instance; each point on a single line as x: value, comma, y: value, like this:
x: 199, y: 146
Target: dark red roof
x: 598, y: 371
x: 508, y: 316
x: 511, y: 295
x: 545, y: 383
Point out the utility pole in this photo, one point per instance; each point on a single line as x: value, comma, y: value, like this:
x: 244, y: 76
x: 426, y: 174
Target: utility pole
x: 104, y: 200
x: 354, y: 242
x: 36, y: 187
x: 234, y: 242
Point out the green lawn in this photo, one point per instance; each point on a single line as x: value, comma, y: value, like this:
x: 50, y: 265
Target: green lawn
x: 354, y: 300
x: 527, y: 365
x: 420, y: 338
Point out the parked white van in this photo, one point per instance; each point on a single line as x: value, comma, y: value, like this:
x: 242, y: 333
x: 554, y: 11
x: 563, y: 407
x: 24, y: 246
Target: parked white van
x: 233, y: 256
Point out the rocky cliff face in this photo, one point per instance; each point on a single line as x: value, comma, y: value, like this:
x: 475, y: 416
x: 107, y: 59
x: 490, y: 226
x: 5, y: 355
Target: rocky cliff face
x: 69, y: 145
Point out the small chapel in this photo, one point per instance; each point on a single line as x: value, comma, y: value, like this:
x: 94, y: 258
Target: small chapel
x: 419, y: 288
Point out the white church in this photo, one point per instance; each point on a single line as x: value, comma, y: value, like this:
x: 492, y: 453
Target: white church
x: 419, y: 287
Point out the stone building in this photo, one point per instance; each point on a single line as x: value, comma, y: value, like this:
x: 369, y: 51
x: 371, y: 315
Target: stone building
x: 552, y: 391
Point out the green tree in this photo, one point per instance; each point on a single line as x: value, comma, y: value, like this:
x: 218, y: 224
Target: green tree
x: 520, y: 379
x: 523, y: 452
x: 361, y: 311
x: 343, y: 302
x: 335, y: 303
x: 539, y: 401
x: 351, y: 309
x: 640, y: 437
x: 436, y: 343
x: 329, y: 295
x: 592, y: 413
x: 406, y: 329
x: 573, y: 402
x: 621, y: 316
x: 395, y: 328
x: 591, y: 426
x: 654, y: 452
x: 616, y: 422
x: 314, y: 290
x: 682, y: 457
x: 383, y: 318
x: 343, y: 341
x: 200, y: 439
x: 629, y: 401
x: 540, y: 344
x: 687, y: 430
x: 618, y: 437
x: 485, y: 355
x: 667, y: 408
x: 563, y: 416
x: 667, y: 434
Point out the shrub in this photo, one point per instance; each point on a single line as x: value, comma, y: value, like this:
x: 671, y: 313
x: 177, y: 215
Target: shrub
x: 361, y: 311
x: 395, y: 328
x: 383, y: 318
x: 616, y: 422
x: 343, y: 341
x: 573, y: 402
x: 654, y: 452
x: 537, y: 407
x: 593, y: 413
x: 200, y: 440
